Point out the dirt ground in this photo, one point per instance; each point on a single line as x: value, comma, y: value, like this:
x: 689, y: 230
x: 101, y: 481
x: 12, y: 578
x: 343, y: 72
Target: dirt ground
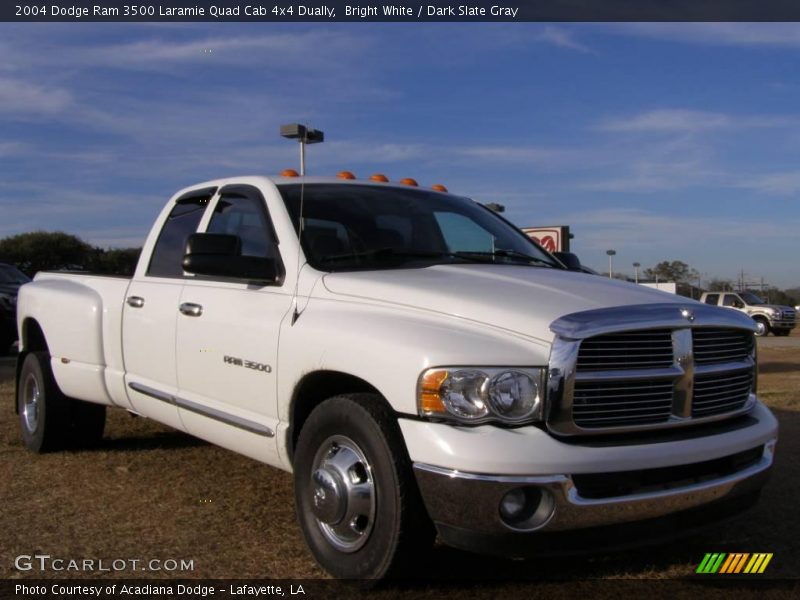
x: 151, y: 493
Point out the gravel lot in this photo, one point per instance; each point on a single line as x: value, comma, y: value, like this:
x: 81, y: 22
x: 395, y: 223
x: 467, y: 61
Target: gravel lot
x: 150, y: 492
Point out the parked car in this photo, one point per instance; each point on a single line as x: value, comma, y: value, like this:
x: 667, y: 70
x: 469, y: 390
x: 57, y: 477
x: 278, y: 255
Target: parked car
x: 774, y: 318
x: 11, y: 279
x: 419, y: 364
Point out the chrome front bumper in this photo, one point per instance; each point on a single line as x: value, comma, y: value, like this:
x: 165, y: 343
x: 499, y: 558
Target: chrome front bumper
x: 470, y: 502
x: 783, y: 323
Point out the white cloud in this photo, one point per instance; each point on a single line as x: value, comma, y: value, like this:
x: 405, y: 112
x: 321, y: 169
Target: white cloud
x: 541, y: 155
x: 782, y: 183
x: 669, y: 120
x: 719, y: 34
x: 21, y: 97
x: 560, y: 37
x: 10, y: 149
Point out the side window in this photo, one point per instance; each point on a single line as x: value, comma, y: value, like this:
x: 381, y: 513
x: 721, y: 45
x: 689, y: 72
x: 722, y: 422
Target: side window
x: 712, y: 299
x: 245, y: 215
x: 732, y: 300
x: 182, y: 221
x: 462, y: 234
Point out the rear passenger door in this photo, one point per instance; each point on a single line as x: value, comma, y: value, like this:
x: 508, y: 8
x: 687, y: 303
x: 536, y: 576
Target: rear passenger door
x: 150, y: 313
x: 227, y: 337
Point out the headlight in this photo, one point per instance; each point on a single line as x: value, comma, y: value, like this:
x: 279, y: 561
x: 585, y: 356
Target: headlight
x: 480, y: 395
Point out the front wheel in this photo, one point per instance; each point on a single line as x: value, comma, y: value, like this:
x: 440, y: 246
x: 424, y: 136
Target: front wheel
x: 762, y: 327
x: 356, y: 497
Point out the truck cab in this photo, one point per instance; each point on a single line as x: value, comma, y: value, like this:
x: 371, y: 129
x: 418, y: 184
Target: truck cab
x: 779, y: 320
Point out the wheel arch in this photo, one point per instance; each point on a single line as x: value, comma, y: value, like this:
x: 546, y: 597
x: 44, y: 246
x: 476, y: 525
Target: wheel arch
x: 314, y: 388
x: 32, y: 339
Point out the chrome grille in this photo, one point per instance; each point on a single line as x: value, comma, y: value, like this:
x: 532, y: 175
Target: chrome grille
x: 613, y: 403
x: 672, y: 366
x: 714, y: 345
x: 626, y: 350
x: 717, y: 393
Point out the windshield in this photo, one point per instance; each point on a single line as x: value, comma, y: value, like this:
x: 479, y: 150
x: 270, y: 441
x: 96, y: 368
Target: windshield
x: 9, y: 274
x: 750, y: 298
x: 355, y: 227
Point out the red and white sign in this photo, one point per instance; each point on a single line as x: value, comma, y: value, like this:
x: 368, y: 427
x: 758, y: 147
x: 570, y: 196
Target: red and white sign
x: 552, y: 239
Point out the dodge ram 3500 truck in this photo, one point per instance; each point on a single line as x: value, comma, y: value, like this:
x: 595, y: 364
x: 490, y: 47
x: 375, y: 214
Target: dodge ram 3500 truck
x: 419, y: 364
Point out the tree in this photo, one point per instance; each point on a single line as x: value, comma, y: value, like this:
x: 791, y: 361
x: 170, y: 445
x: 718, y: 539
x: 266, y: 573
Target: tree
x: 720, y: 285
x: 45, y: 250
x: 678, y: 271
x: 115, y: 261
x: 53, y: 251
x: 775, y: 296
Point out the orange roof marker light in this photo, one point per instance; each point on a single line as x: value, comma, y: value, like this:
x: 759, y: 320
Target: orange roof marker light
x: 289, y: 173
x: 439, y: 187
x: 409, y: 181
x: 379, y: 177
x: 345, y: 175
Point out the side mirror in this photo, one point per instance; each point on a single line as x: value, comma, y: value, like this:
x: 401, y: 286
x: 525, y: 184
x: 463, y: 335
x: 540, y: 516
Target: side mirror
x: 219, y: 255
x: 570, y: 260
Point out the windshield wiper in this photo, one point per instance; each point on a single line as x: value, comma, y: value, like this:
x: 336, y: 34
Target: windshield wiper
x: 506, y: 253
x: 386, y: 253
x: 464, y: 255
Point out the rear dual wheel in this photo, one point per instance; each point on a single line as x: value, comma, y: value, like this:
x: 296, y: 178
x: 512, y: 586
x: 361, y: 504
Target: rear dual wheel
x: 49, y: 420
x: 357, y: 501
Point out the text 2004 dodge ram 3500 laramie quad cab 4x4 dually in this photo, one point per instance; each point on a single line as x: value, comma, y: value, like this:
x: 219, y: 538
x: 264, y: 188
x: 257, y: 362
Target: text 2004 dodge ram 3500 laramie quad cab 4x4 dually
x: 417, y: 362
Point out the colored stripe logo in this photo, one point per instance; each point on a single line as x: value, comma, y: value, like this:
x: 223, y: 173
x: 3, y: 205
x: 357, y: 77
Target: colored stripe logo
x: 734, y: 563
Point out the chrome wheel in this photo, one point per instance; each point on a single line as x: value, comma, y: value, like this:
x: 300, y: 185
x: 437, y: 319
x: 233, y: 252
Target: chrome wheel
x: 343, y: 493
x: 31, y: 397
x: 761, y: 328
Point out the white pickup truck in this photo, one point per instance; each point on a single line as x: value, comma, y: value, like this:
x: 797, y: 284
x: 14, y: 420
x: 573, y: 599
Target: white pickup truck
x: 417, y: 362
x: 780, y: 320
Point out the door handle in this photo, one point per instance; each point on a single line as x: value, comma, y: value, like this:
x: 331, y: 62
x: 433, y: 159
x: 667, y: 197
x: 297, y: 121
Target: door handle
x: 190, y: 309
x: 135, y: 301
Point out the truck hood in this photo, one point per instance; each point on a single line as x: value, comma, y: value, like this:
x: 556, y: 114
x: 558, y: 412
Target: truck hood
x: 520, y: 299
x: 781, y: 307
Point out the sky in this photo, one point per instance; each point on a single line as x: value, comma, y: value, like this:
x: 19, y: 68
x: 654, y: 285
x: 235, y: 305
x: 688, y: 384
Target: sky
x: 660, y: 141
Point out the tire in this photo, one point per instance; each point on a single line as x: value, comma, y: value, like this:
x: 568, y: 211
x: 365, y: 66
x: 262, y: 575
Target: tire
x: 762, y: 325
x: 49, y: 420
x: 356, y: 497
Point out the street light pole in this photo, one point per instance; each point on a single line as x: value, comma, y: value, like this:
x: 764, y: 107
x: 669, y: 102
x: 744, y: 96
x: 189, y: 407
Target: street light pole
x: 636, y: 266
x: 304, y: 135
x: 610, y: 271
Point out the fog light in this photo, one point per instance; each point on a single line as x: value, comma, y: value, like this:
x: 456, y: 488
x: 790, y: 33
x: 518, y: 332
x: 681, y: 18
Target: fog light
x: 526, y: 508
